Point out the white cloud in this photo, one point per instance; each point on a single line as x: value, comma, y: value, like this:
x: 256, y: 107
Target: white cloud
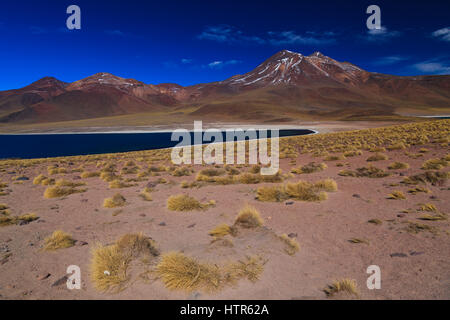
x: 220, y: 64
x: 381, y: 35
x: 442, y: 34
x: 290, y: 37
x: 229, y: 34
x: 432, y: 67
x: 186, y: 61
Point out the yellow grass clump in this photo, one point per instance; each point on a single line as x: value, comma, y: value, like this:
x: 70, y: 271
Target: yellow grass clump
x: 310, y: 168
x: 58, y: 240
x: 184, y: 202
x: 435, y: 164
x: 146, y: 194
x: 118, y: 184
x: 377, y: 157
x: 222, y: 230
x: 292, y: 245
x: 397, y: 195
x: 346, y: 286
x: 249, y: 217
x: 87, y: 174
x: 180, y: 272
x: 418, y: 189
x: 110, y: 264
x: 398, y: 166
x: 58, y: 192
x: 116, y: 201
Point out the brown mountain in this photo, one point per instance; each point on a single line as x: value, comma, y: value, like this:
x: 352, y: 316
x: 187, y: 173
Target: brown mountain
x: 286, y: 86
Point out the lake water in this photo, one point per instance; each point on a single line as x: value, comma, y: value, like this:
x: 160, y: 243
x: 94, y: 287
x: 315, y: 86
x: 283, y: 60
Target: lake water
x: 30, y: 146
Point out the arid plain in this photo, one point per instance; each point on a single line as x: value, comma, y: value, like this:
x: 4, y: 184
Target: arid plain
x: 140, y: 227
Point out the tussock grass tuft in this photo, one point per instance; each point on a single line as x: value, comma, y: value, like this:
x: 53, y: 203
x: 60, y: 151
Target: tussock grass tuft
x: 377, y: 157
x: 397, y: 195
x: 435, y: 164
x: 358, y: 240
x: 414, y: 227
x: 58, y: 240
x: 180, y: 272
x: 184, y: 202
x: 398, y: 166
x: 369, y: 172
x: 346, y: 286
x: 90, y: 174
x: 418, y: 190
x: 65, y: 183
x: 110, y: 264
x: 310, y: 168
x: 249, y: 217
x: 375, y: 221
x: 435, y: 217
x: 116, y: 201
x: 58, y: 192
x: 428, y: 207
x: 222, y: 230
x: 146, y: 194
x: 433, y: 177
x: 271, y: 194
x: 292, y: 245
x: 118, y: 184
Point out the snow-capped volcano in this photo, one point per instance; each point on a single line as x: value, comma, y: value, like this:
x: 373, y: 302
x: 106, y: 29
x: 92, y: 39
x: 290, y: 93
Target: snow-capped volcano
x: 287, y: 67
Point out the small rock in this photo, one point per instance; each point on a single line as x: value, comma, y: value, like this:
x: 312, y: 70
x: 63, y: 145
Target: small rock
x: 398, y: 255
x: 4, y: 248
x: 162, y: 224
x: 433, y: 197
x: 191, y: 226
x: 194, y: 296
x: 292, y: 235
x: 84, y: 200
x: 152, y: 184
x: 77, y: 178
x: 143, y: 215
x: 401, y: 215
x: 81, y: 243
x: 22, y: 179
x: 356, y: 196
x: 23, y: 222
x: 60, y: 281
x: 289, y: 203
x: 414, y: 253
x: 41, y: 221
x: 401, y: 174
x: 44, y: 276
x: 12, y: 172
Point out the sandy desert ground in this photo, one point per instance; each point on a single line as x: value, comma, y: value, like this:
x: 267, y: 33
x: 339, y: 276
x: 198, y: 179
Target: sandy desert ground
x: 309, y: 235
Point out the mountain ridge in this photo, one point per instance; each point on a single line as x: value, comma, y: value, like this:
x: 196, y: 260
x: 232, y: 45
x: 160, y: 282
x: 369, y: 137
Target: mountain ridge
x: 287, y: 84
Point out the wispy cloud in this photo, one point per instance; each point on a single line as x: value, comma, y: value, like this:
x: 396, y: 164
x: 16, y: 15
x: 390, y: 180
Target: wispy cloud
x: 227, y: 34
x: 221, y: 64
x: 442, y: 34
x: 381, y: 35
x: 389, y: 60
x: 230, y: 34
x: 290, y: 37
x: 432, y: 67
x: 186, y: 61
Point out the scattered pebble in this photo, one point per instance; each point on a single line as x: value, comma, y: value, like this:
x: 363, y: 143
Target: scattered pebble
x: 162, y: 224
x: 398, y: 255
x: 292, y: 235
x: 43, y: 276
x: 192, y: 225
x: 401, y: 215
x: 415, y: 253
x: 356, y: 196
x: 289, y: 203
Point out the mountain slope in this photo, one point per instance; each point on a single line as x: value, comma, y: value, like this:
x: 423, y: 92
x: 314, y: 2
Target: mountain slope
x: 286, y: 86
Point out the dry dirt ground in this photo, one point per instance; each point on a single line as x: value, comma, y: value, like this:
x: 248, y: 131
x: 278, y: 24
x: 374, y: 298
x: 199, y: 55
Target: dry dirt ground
x: 414, y: 263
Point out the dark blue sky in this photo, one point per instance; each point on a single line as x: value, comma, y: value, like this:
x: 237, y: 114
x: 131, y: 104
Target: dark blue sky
x: 189, y: 42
